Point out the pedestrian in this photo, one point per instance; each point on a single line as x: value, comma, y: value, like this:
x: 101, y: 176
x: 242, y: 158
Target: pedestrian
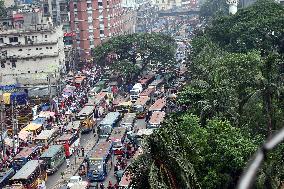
x: 83, y: 151
x: 67, y: 163
x: 102, y: 186
x: 109, y: 185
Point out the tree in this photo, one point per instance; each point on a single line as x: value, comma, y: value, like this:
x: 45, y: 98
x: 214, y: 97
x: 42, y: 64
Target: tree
x: 3, y: 10
x: 180, y: 155
x: 157, y: 49
x: 211, y: 8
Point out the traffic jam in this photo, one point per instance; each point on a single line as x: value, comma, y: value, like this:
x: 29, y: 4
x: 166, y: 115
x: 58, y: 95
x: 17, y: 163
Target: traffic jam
x: 118, y: 120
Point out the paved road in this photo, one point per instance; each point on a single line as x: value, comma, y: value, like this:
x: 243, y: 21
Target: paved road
x: 139, y: 124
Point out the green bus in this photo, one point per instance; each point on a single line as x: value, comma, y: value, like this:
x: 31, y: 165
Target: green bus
x: 54, y: 156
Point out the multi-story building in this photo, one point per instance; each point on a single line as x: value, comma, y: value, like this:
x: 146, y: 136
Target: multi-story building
x: 31, y: 49
x: 95, y: 21
x: 167, y: 4
x: 58, y: 10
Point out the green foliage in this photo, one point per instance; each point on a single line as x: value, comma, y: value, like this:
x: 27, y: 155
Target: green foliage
x: 258, y: 27
x: 158, y: 49
x: 185, y: 155
x: 212, y: 8
x: 3, y: 10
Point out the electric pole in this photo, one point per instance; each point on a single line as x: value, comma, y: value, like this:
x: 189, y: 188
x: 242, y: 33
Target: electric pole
x: 2, y: 118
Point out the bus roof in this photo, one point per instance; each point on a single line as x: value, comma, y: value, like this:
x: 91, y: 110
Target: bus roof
x: 146, y: 132
x: 147, y: 92
x: 45, y: 134
x: 25, y: 152
x: 5, y: 173
x: 157, y: 117
x: 87, y: 110
x: 101, y: 150
x: 156, y: 82
x: 110, y: 118
x: 99, y: 97
x: 117, y: 133
x: 118, y: 100
x: 65, y: 137
x: 128, y: 118
x: 74, y: 125
x: 158, y: 105
x: 141, y: 101
x: 32, y: 127
x: 27, y: 170
x: 145, y: 79
x: 99, y: 83
x: 51, y: 151
x: 125, y: 180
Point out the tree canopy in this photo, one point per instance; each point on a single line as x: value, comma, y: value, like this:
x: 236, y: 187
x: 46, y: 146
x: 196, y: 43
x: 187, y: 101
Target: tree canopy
x: 234, y: 102
x: 157, y: 49
x: 180, y: 155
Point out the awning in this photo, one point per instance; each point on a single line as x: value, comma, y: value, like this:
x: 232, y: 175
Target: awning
x: 7, y: 98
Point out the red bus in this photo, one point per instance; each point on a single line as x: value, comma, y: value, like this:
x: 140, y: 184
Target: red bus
x: 70, y: 141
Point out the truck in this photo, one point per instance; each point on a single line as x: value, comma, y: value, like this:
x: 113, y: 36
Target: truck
x: 135, y: 91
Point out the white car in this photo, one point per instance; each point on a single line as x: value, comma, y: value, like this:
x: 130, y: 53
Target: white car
x: 76, y: 182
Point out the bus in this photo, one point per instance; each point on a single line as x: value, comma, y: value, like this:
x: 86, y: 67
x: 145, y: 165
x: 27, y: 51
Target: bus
x: 30, y: 175
x: 156, y: 119
x: 46, y: 137
x: 140, y: 106
x: 128, y: 121
x: 146, y: 80
x: 148, y: 93
x: 99, y: 160
x: 86, y: 115
x: 159, y: 105
x: 117, y: 137
x: 35, y: 129
x: 124, y: 107
x: 156, y: 84
x: 70, y: 141
x: 73, y: 127
x: 5, y: 175
x: 53, y: 157
x: 25, y: 155
x: 108, y: 123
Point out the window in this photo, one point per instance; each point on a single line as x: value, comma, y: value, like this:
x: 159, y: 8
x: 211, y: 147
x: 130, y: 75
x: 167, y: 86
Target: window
x: 47, y: 48
x: 40, y: 48
x: 29, y: 71
x: 89, y: 5
x: 75, y: 6
x: 36, y: 48
x: 13, y: 39
x: 50, y: 47
x: 20, y: 49
x: 45, y: 36
x: 101, y: 31
x: 100, y: 4
x: 1, y: 40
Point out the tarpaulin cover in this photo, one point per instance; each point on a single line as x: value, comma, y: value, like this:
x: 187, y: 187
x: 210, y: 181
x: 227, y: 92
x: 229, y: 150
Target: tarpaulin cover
x: 19, y: 97
x: 39, y: 120
x: 45, y: 107
x: 7, y: 98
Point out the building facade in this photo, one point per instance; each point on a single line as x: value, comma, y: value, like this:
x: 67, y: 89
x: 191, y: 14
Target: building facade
x: 58, y: 10
x: 31, y: 49
x: 95, y: 21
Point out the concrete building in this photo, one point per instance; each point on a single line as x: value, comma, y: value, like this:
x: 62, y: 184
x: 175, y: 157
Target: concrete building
x: 95, y: 21
x: 167, y: 4
x: 58, y: 10
x: 31, y: 49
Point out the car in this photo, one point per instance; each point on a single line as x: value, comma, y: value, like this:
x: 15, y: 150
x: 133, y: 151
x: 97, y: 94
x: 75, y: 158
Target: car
x: 77, y: 181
